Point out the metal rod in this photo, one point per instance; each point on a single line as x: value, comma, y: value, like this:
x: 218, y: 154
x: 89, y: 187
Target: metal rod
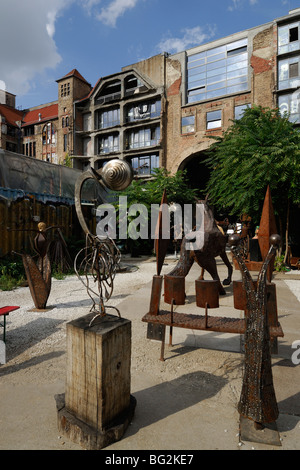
x: 171, y: 326
x: 206, y: 316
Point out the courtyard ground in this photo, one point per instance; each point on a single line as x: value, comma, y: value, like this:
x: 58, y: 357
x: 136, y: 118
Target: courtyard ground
x: 187, y: 402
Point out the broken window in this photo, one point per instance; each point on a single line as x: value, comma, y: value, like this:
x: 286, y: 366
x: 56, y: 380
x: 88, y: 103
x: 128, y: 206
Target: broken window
x: 110, y: 92
x: 288, y: 38
x: 294, y: 34
x: 143, y: 110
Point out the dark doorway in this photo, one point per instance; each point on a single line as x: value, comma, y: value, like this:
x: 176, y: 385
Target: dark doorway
x: 197, y: 172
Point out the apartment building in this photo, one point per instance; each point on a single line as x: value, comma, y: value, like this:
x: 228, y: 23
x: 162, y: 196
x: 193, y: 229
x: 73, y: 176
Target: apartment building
x: 46, y: 131
x: 10, y: 123
x: 163, y: 111
x: 123, y: 117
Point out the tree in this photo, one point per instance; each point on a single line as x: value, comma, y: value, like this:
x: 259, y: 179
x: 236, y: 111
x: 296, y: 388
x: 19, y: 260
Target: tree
x: 150, y: 193
x: 260, y: 149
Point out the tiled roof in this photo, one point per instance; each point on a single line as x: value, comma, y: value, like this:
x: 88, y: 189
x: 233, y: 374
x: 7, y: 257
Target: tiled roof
x: 11, y: 115
x: 74, y: 73
x: 41, y: 114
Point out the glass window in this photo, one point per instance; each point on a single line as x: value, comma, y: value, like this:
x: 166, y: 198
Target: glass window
x: 209, y: 72
x: 213, y: 119
x: 143, y: 110
x: 239, y: 110
x: 288, y: 38
x: 65, y: 142
x: 143, y: 137
x: 145, y: 164
x: 290, y: 104
x: 109, y: 118
x: 288, y: 73
x: 108, y: 143
x: 187, y: 124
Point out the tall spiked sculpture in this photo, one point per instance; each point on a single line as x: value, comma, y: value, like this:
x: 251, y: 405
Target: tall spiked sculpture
x: 258, y: 400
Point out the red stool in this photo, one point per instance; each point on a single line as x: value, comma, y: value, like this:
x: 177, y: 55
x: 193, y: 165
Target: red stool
x: 5, y: 311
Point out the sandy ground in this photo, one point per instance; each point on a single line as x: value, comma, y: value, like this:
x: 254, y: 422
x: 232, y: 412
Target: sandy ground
x: 189, y: 401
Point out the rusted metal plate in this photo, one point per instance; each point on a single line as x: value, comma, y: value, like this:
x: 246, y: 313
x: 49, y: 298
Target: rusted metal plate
x: 197, y: 322
x: 267, y: 227
x: 240, y: 300
x: 39, y: 283
x: 155, y: 294
x: 268, y: 435
x: 161, y: 244
x: 258, y: 400
x: 174, y: 290
x: 207, y: 293
x: 156, y: 331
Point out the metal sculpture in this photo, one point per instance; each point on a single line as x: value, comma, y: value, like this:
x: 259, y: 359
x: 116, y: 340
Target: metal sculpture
x: 38, y: 273
x: 207, y: 296
x: 101, y: 257
x: 214, y: 245
x: 258, y: 400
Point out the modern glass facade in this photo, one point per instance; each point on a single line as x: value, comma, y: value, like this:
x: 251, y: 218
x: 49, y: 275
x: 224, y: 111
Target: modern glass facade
x: 289, y: 71
x: 219, y: 71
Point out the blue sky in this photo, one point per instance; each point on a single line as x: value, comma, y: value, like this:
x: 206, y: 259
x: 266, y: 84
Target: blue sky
x: 44, y: 40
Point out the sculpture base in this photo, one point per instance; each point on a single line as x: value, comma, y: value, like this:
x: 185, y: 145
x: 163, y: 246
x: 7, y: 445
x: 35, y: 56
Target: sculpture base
x: 268, y: 435
x: 84, y: 435
x: 45, y: 309
x: 2, y: 352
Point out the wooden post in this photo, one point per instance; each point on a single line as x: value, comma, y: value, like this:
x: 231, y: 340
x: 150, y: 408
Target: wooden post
x: 97, y: 404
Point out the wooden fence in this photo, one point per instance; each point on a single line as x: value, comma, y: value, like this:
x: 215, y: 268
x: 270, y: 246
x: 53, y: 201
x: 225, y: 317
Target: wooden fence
x: 19, y: 221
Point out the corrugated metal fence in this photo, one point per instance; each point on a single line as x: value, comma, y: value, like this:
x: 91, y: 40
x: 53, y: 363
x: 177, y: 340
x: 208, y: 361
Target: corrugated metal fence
x: 19, y: 220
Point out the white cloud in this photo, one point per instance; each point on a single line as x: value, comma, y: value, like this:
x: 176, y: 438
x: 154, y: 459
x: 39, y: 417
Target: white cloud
x: 239, y: 3
x: 88, y: 5
x: 29, y: 45
x: 27, y: 31
x: 190, y: 37
x: 114, y: 10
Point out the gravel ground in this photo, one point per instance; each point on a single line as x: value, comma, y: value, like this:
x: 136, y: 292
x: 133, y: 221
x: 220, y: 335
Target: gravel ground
x: 193, y: 384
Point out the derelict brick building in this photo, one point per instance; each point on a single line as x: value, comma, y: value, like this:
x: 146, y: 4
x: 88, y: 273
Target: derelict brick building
x: 161, y: 112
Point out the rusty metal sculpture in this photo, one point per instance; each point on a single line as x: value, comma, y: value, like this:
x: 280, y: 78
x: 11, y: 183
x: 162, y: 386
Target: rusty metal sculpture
x: 214, y: 245
x: 258, y: 400
x: 101, y: 256
x: 38, y: 273
x: 207, y: 296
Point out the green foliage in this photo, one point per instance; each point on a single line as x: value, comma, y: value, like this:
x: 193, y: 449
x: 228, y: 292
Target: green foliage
x: 260, y: 149
x: 12, y: 273
x: 68, y: 161
x: 279, y: 264
x: 150, y: 192
x: 58, y: 273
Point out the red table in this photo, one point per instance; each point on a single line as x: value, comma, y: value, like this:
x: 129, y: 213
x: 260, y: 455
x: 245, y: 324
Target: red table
x: 5, y: 311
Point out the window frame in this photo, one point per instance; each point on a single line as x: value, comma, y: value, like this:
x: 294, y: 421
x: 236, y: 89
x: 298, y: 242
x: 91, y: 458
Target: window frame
x: 216, y: 120
x: 210, y: 72
x: 188, y: 124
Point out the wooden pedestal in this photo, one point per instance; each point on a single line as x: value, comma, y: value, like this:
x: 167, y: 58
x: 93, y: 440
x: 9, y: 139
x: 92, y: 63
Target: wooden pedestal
x: 97, y: 406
